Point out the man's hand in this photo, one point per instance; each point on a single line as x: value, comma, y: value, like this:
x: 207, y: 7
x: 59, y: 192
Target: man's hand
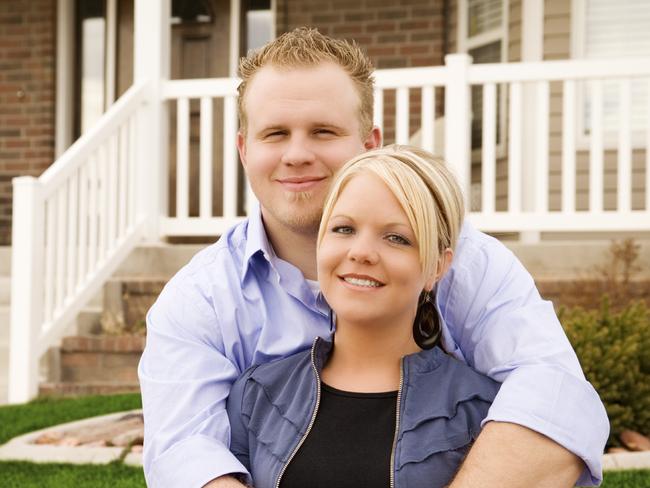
x: 508, y: 455
x: 224, y: 482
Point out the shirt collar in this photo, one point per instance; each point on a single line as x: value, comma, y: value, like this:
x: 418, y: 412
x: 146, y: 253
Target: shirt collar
x: 257, y: 242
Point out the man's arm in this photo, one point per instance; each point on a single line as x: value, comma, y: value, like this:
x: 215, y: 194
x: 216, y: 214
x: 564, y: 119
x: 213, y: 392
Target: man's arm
x: 522, y: 459
x: 185, y: 378
x: 505, y: 330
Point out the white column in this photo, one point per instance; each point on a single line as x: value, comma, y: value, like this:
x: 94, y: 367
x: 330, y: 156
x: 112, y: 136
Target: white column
x: 26, y: 288
x: 64, y: 60
x: 532, y: 49
x: 457, y: 119
x: 151, y: 61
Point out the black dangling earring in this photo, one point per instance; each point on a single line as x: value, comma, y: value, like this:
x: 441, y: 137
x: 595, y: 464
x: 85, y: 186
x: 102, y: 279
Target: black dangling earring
x: 332, y: 320
x: 426, y: 326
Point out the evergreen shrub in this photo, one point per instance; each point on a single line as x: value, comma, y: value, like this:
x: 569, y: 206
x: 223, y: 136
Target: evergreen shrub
x: 614, y: 350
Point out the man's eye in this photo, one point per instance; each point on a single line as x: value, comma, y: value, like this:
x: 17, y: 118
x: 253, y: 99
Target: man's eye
x: 342, y: 229
x: 326, y: 132
x: 274, y: 134
x: 398, y: 239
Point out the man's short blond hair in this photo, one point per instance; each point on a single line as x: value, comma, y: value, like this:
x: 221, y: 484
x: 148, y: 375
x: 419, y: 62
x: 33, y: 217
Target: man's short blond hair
x: 306, y: 47
x: 425, y: 188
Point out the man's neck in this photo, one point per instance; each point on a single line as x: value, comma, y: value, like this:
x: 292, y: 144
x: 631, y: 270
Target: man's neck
x: 297, y: 248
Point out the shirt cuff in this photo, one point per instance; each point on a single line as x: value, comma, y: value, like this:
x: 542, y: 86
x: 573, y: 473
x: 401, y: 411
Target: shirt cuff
x: 192, y: 463
x: 560, y: 406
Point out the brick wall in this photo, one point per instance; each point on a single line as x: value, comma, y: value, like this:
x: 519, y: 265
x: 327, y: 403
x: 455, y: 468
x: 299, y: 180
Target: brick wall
x: 401, y: 34
x: 27, y: 58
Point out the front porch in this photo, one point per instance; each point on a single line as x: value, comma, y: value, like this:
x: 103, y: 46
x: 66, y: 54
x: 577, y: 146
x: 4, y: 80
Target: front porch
x: 539, y: 154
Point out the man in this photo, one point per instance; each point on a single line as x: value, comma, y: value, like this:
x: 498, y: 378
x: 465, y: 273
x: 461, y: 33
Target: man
x: 305, y: 108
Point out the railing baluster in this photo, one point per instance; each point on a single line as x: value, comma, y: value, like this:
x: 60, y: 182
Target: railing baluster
x: 205, y: 170
x: 93, y: 219
x: 113, y: 162
x: 541, y: 168
x: 569, y: 146
x: 122, y: 181
x: 71, y: 244
x: 133, y: 141
x: 514, y: 149
x: 59, y: 286
x: 103, y: 203
x: 50, y: 253
x: 596, y: 148
x: 229, y: 157
x: 402, y: 116
x: 378, y: 117
x: 83, y: 223
x: 428, y: 118
x: 182, y: 158
x: 624, y: 191
x: 488, y: 163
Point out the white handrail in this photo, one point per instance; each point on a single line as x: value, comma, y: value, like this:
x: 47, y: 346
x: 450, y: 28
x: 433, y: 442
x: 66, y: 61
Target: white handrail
x: 72, y: 227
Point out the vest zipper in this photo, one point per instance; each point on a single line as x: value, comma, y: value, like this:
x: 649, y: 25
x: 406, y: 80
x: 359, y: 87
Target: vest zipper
x: 399, y: 401
x: 313, y: 416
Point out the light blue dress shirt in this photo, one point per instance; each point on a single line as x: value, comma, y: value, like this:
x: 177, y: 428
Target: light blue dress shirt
x: 237, y: 304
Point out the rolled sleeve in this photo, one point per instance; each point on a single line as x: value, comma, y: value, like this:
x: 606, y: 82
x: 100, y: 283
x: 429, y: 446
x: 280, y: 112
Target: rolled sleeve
x: 505, y: 330
x: 193, y: 462
x: 185, y: 378
x: 564, y: 408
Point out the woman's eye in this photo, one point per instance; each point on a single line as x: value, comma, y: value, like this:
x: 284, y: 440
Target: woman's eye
x: 398, y: 239
x: 342, y: 229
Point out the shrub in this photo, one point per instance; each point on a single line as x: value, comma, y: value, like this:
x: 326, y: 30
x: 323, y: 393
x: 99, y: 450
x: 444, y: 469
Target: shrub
x: 614, y: 350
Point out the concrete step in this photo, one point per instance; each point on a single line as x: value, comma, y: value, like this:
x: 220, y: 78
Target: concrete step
x: 4, y: 325
x: 5, y: 290
x: 4, y: 373
x: 89, y: 321
x: 5, y: 260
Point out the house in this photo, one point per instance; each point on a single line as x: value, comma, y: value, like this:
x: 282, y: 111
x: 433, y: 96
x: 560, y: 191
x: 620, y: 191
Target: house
x: 125, y: 110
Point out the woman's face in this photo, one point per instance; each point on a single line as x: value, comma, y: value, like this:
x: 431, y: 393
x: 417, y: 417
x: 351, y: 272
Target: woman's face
x: 368, y: 261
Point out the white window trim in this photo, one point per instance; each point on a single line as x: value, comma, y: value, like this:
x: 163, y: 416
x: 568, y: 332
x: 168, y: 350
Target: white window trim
x: 465, y: 44
x: 578, y: 49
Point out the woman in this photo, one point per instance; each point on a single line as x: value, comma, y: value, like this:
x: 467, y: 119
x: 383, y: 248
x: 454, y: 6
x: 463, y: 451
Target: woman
x: 379, y: 404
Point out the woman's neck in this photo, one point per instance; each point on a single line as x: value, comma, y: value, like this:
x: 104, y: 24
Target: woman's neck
x: 366, y: 358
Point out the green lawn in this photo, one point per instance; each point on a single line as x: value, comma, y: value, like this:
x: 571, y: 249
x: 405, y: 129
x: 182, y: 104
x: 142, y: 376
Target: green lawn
x: 28, y: 475
x: 21, y: 419
x: 627, y: 479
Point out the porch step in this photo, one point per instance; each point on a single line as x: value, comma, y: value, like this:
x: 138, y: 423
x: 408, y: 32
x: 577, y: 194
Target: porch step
x: 5, y: 290
x: 62, y: 389
x: 104, y: 359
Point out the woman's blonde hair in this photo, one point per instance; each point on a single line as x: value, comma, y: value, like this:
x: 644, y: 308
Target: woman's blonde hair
x: 425, y: 188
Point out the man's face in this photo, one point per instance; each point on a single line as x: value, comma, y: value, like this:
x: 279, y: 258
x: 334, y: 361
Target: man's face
x: 303, y: 125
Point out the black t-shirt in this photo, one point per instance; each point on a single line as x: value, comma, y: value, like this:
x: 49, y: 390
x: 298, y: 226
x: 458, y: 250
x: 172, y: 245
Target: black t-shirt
x: 350, y: 443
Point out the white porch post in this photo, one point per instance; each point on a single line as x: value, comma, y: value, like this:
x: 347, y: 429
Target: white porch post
x: 26, y: 288
x: 151, y: 61
x: 532, y: 49
x: 457, y: 119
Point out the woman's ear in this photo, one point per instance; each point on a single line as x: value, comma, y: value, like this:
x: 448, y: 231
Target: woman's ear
x: 444, y: 263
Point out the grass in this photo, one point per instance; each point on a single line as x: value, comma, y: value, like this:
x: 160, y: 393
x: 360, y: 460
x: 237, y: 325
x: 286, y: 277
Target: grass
x: 28, y: 475
x: 39, y: 414
x: 627, y: 479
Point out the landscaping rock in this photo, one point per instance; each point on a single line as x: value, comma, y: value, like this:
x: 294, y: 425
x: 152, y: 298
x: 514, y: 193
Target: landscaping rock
x: 635, y: 441
x: 51, y: 437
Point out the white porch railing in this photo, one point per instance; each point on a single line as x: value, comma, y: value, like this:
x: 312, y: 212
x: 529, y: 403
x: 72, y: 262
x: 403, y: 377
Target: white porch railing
x: 517, y: 188
x: 72, y: 227
x: 74, y: 224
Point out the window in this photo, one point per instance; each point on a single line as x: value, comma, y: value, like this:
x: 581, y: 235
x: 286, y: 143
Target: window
x: 90, y: 28
x: 482, y: 33
x: 613, y: 30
